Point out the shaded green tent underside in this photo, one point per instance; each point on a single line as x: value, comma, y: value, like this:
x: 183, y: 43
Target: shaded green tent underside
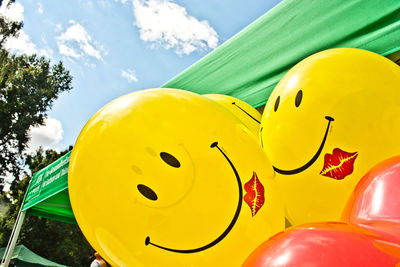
x: 22, y: 256
x: 57, y: 208
x: 249, y: 65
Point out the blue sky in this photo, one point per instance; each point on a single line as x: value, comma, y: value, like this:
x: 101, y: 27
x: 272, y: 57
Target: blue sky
x: 114, y: 47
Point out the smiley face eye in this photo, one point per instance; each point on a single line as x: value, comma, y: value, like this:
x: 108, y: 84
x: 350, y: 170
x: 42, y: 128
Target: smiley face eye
x: 147, y: 192
x: 299, y: 97
x: 277, y: 103
x: 170, y: 160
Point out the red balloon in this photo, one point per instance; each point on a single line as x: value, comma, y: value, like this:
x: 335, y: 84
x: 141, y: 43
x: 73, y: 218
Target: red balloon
x: 325, y: 244
x: 375, y: 202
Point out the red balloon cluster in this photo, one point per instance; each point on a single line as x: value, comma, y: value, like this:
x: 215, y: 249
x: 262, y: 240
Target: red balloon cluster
x: 368, y: 236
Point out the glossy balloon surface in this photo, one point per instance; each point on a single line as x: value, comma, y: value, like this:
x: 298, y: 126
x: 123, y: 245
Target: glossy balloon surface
x: 325, y: 245
x: 178, y: 181
x: 248, y: 115
x: 375, y: 202
x: 329, y: 120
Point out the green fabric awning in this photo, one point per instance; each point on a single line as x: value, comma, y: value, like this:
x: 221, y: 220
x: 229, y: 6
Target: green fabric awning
x: 22, y: 256
x: 250, y: 64
x: 47, y: 195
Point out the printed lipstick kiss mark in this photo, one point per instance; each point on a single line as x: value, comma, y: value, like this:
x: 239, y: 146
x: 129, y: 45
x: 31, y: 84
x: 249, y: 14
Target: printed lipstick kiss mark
x: 254, y: 194
x: 339, y: 164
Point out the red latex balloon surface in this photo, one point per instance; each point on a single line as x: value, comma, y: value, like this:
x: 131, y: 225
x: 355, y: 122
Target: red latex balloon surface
x: 375, y: 202
x: 325, y: 244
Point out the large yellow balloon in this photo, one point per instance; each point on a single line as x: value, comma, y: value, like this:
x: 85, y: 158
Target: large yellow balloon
x: 329, y: 120
x: 248, y: 115
x: 177, y: 180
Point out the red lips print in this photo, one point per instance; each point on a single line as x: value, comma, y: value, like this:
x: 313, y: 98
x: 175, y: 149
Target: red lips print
x: 254, y: 194
x: 339, y: 164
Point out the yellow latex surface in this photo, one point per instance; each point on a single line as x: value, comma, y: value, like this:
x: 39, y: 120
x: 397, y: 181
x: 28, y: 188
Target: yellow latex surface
x: 167, y: 168
x: 353, y: 97
x: 248, y: 115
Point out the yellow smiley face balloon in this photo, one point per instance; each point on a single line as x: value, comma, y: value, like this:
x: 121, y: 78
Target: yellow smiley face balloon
x: 177, y: 180
x: 248, y: 115
x: 328, y: 121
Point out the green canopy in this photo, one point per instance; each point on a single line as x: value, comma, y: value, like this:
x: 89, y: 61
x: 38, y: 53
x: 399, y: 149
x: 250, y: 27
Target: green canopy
x: 22, y: 256
x: 47, y: 195
x: 249, y: 65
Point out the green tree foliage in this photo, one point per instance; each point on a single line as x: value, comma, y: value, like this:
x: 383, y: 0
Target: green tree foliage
x: 28, y: 87
x: 57, y: 241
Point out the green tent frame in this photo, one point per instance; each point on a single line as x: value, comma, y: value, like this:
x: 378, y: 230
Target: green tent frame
x: 250, y: 64
x: 47, y: 195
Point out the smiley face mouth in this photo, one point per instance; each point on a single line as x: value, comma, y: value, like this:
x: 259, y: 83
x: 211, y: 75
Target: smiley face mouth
x: 313, y: 159
x: 248, y: 114
x: 227, y: 230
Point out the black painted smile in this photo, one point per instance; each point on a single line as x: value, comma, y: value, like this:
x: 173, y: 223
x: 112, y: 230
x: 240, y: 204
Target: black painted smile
x: 308, y: 164
x: 248, y: 114
x: 227, y: 230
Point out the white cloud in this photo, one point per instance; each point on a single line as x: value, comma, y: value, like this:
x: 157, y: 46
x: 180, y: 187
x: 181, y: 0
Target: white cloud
x: 90, y: 65
x: 22, y: 44
x: 76, y: 43
x: 129, y: 75
x: 14, y: 12
x: 46, y: 136
x: 168, y: 24
x: 40, y: 8
x: 68, y: 51
x: 59, y: 27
